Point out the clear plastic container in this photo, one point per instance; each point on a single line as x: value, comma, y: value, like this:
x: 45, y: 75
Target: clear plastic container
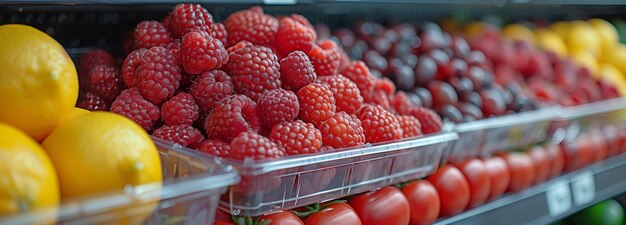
x: 570, y: 121
x: 191, y: 188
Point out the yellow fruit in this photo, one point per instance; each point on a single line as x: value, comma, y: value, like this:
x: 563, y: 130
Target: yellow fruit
x: 475, y: 28
x: 73, y: 114
x: 100, y: 152
x: 28, y: 180
x: 587, y: 60
x: 518, y: 31
x: 582, y: 37
x: 561, y: 28
x: 606, y: 32
x: 550, y: 41
x: 38, y: 81
x: 617, y: 58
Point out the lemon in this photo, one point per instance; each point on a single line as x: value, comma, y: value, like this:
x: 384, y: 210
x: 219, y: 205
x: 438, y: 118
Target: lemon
x: 518, y: 31
x: 100, y: 152
x: 38, y: 81
x: 550, y: 41
x: 606, y: 32
x: 73, y: 114
x: 617, y: 58
x: 582, y: 37
x: 561, y: 28
x: 28, y: 179
x: 587, y: 60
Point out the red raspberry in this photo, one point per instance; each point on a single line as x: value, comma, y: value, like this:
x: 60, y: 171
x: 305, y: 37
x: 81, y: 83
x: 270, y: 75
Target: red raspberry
x: 159, y: 75
x: 105, y: 81
x: 292, y: 35
x: 358, y: 72
x: 297, y: 137
x: 342, y: 130
x: 238, y: 46
x: 180, y: 109
x: 175, y: 47
x: 248, y: 25
x: 183, y: 134
x: 302, y: 20
x: 379, y: 124
x: 254, y: 146
x: 130, y: 104
x: 218, y: 31
x: 215, y: 147
x: 128, y: 42
x: 202, y: 53
x: 131, y: 64
x: 401, y: 103
x: 326, y: 148
x: 94, y: 58
x: 296, y: 70
x: 254, y: 70
x: 211, y: 87
x: 151, y: 33
x: 346, y: 93
x: 312, y: 183
x: 231, y: 116
x: 377, y: 98
x: 411, y: 126
x: 166, y: 20
x: 385, y: 85
x: 92, y: 102
x: 317, y: 103
x: 325, y: 58
x: 344, y: 59
x: 187, y: 17
x: 277, y: 106
x: 431, y: 122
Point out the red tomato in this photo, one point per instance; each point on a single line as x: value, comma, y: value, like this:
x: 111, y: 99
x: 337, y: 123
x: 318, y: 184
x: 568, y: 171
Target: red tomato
x: 222, y: 216
x: 453, y: 190
x: 610, y: 135
x: 499, y: 175
x: 521, y: 168
x: 385, y: 206
x: 282, y: 218
x: 578, y: 153
x: 599, y: 145
x: 222, y: 223
x: 334, y: 214
x: 556, y: 159
x: 478, y: 178
x: 542, y: 165
x: 424, y: 202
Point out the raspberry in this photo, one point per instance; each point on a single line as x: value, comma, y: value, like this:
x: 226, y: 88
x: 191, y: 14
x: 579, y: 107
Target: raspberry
x: 326, y: 148
x: 296, y: 70
x: 218, y: 31
x: 94, y: 58
x: 342, y: 130
x: 180, y: 109
x: 175, y: 47
x: 248, y: 25
x: 346, y: 93
x: 277, y: 106
x: 377, y: 98
x: 358, y: 72
x: 317, y: 103
x: 379, y: 124
x: 158, y: 74
x: 105, y: 81
x: 411, y: 126
x: 151, y: 33
x: 237, y: 46
x: 401, y: 103
x: 166, y: 20
x: 317, y: 181
x: 325, y: 58
x: 202, y: 53
x: 130, y: 104
x: 231, y: 116
x: 92, y: 102
x: 385, y: 85
x: 252, y: 145
x: 344, y: 59
x: 292, y: 35
x: 302, y: 20
x: 211, y: 87
x: 183, y: 134
x: 215, y: 147
x: 130, y: 66
x: 431, y: 122
x: 254, y: 70
x: 187, y: 17
x: 297, y: 137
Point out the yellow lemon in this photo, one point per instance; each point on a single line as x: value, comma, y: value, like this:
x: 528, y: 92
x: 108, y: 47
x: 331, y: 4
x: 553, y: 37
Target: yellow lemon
x: 611, y: 73
x: 617, y: 58
x: 561, y: 28
x: 582, y: 36
x: 73, y: 114
x: 587, y: 60
x: 100, y: 152
x: 550, y: 41
x: 38, y: 81
x: 28, y: 180
x: 518, y: 31
x: 606, y: 32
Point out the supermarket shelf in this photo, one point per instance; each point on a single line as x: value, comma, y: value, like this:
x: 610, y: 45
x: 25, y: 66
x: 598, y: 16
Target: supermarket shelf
x: 552, y: 200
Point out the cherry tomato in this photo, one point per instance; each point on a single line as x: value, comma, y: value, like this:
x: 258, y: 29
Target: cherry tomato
x: 542, y: 165
x: 334, y: 214
x: 223, y: 223
x: 453, y: 190
x: 578, y: 153
x: 556, y: 159
x: 499, y: 175
x: 282, y: 218
x: 423, y: 200
x: 385, y: 206
x: 600, y: 147
x: 521, y: 168
x: 478, y: 178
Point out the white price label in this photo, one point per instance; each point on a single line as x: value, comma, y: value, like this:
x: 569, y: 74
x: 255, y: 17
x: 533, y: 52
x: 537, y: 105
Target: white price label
x: 559, y: 198
x: 583, y: 188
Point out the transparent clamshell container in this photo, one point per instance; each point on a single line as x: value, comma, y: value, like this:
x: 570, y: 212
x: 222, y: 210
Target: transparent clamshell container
x: 192, y: 186
x: 573, y: 120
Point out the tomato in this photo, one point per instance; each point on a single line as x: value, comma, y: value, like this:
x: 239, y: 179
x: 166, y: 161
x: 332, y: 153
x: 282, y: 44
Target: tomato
x: 599, y: 145
x: 453, y: 190
x: 338, y: 213
x: 384, y: 206
x: 223, y: 223
x: 578, y: 153
x: 222, y: 216
x: 478, y: 178
x: 522, y: 170
x: 499, y: 175
x: 282, y: 218
x: 423, y: 200
x: 609, y: 132
x: 542, y: 165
